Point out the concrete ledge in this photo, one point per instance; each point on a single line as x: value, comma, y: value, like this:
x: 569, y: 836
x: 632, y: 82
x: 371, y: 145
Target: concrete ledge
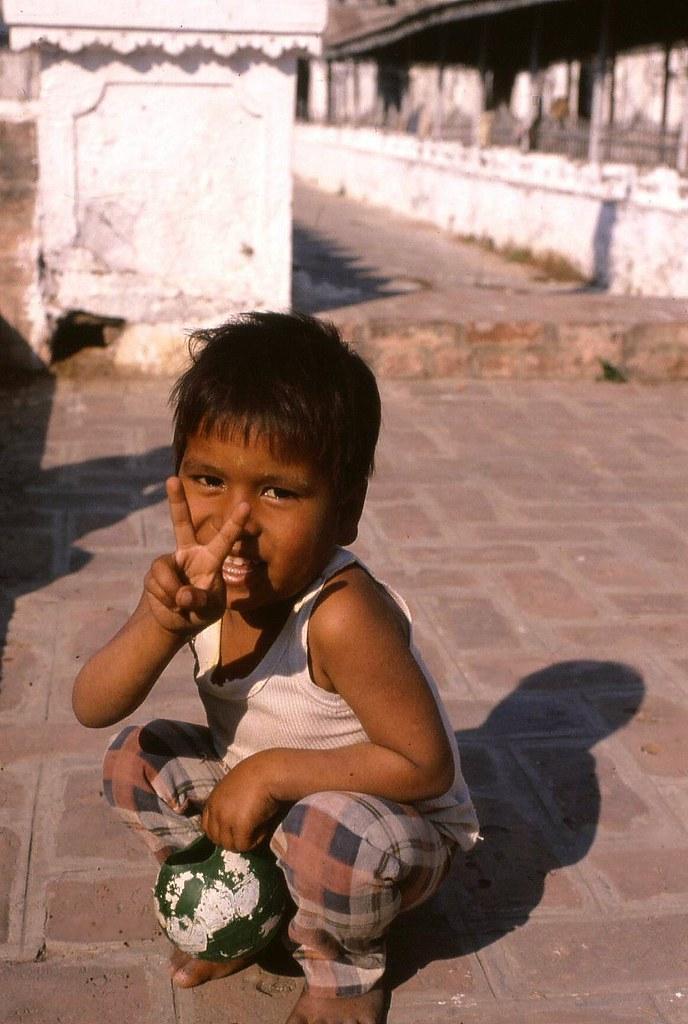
x: 524, y: 350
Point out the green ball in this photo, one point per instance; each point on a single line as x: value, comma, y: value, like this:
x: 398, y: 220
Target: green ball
x: 216, y: 904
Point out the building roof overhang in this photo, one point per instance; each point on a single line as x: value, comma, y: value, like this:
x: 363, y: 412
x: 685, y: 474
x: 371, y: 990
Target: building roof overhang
x: 374, y: 30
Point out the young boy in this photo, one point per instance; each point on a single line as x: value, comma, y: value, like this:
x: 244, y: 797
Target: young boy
x: 325, y: 732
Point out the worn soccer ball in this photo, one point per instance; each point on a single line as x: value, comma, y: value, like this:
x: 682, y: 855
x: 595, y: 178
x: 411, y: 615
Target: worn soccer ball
x: 216, y: 904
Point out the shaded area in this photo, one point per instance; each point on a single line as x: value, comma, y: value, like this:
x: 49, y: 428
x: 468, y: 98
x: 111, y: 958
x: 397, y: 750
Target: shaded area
x: 327, y: 275
x: 80, y: 329
x: 44, y: 512
x: 536, y: 784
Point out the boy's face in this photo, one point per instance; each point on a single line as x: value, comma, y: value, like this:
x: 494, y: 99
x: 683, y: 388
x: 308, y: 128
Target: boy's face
x: 294, y: 525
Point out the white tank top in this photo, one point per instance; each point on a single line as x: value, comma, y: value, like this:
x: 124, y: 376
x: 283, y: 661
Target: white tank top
x: 279, y: 705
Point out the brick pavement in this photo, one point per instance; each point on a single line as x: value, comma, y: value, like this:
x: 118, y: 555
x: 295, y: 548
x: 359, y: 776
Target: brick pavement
x: 540, y: 533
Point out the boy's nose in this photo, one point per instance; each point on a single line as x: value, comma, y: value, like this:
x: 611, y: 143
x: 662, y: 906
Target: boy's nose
x: 250, y: 527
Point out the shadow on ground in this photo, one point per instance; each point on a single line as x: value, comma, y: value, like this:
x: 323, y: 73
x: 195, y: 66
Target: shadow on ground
x: 45, y: 511
x: 538, y: 740
x: 328, y: 276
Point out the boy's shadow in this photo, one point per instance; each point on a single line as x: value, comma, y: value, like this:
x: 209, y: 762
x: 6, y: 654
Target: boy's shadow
x: 533, y: 777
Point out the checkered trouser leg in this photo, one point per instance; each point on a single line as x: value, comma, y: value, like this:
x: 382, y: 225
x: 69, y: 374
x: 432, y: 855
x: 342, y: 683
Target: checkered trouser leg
x: 158, y: 778
x: 352, y: 864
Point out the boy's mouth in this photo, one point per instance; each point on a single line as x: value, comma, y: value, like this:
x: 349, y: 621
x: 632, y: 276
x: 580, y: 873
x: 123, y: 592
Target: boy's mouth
x: 236, y: 569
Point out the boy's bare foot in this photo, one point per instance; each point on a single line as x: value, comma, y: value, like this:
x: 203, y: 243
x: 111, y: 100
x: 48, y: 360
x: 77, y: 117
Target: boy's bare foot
x: 187, y: 971
x: 365, y: 1009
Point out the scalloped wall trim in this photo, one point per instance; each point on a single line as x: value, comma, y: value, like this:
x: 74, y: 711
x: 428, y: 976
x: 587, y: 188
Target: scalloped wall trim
x: 224, y: 44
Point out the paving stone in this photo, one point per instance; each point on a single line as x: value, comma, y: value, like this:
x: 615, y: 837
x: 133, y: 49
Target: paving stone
x: 9, y: 848
x: 672, y: 1004
x: 644, y: 872
x: 651, y: 604
x: 456, y: 559
x: 93, y: 627
x: 577, y: 512
x: 623, y: 955
x: 599, y: 566
x: 500, y: 675
x: 655, y: 735
x: 15, y: 787
x: 512, y: 872
x: 473, y: 623
x: 458, y: 1008
x: 583, y: 792
x: 423, y: 579
x: 62, y: 993
x: 539, y: 534
x: 103, y: 530
x: 26, y: 663
x: 427, y: 955
x: 88, y: 829
x: 547, y: 594
x: 660, y: 544
x: 246, y: 998
x: 402, y: 524
x: 626, y: 637
x: 109, y: 909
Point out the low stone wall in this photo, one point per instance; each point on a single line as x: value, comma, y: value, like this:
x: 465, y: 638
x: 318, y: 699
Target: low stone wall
x: 625, y: 230
x: 645, y: 353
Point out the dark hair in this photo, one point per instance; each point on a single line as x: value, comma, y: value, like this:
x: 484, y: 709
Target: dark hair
x: 290, y: 378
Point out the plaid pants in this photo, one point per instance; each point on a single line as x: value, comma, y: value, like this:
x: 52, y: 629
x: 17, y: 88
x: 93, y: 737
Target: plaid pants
x: 352, y: 862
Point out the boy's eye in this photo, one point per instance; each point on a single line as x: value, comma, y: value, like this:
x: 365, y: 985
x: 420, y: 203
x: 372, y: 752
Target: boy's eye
x: 278, y: 493
x: 209, y: 481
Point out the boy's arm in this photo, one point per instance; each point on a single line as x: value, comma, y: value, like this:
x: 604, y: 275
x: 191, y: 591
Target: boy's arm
x: 182, y: 594
x: 359, y: 648
x: 121, y: 674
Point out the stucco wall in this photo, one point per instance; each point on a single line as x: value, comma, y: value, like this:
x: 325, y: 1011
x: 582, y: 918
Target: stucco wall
x: 176, y: 213
x: 22, y: 321
x: 615, y: 225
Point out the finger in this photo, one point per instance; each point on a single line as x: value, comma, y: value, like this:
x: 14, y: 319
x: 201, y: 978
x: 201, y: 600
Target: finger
x: 166, y: 573
x: 158, y: 593
x: 243, y: 840
x: 218, y: 835
x: 184, y: 533
x: 230, y: 531
x: 191, y: 599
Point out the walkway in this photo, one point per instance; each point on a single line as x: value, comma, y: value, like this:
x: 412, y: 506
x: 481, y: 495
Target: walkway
x: 419, y: 302
x: 540, y: 533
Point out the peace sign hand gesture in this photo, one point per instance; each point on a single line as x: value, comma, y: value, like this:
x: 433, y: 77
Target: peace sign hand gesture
x: 185, y: 590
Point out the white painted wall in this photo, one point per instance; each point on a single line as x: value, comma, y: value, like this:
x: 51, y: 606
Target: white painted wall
x: 612, y: 223
x: 160, y: 189
x: 164, y: 155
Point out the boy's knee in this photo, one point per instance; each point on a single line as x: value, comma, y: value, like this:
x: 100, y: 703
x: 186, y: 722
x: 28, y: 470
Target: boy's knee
x: 324, y: 843
x: 132, y: 756
x: 121, y: 755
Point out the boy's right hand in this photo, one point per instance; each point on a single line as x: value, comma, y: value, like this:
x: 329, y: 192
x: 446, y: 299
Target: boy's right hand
x: 185, y: 590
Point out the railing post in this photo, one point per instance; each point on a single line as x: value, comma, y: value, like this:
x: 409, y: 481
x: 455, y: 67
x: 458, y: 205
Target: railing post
x: 598, y: 88
x: 682, y: 158
x: 535, y: 80
x: 482, y: 70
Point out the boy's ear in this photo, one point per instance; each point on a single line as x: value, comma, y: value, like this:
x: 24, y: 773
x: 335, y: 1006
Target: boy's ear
x: 350, y: 511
